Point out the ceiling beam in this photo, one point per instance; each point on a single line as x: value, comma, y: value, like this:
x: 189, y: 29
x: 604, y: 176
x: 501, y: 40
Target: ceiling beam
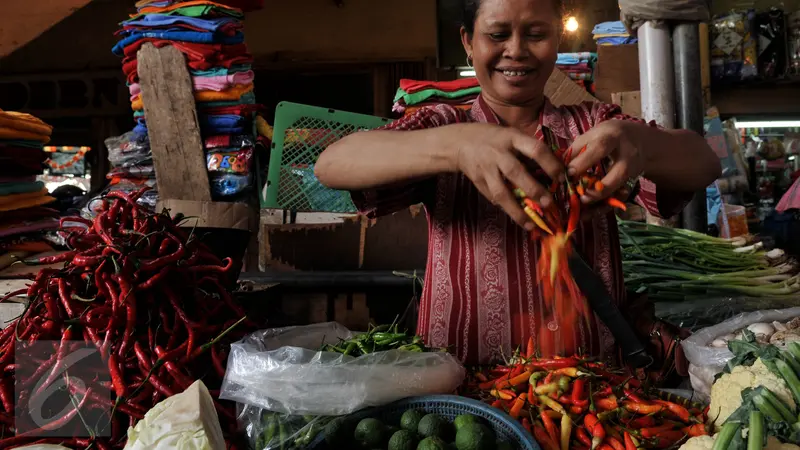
x: 23, y: 21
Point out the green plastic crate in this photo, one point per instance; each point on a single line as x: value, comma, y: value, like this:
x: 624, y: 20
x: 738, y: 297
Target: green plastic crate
x: 301, y: 133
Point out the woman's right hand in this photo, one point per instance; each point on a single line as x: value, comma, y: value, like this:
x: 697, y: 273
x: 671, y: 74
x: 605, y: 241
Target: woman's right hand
x: 489, y: 155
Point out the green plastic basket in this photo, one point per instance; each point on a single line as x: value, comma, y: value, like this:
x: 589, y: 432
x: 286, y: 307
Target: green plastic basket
x: 301, y: 133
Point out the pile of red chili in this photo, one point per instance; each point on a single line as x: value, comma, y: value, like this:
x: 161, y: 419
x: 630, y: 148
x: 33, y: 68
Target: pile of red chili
x: 575, y: 403
x: 149, y: 296
x: 566, y: 306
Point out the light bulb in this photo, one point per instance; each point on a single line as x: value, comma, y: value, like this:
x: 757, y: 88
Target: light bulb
x: 571, y: 25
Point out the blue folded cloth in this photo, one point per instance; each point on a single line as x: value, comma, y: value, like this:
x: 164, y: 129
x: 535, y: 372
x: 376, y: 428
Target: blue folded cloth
x: 610, y: 28
x: 163, y: 20
x: 617, y: 40
x: 221, y: 71
x: 571, y: 59
x: 221, y: 121
x: 197, y: 37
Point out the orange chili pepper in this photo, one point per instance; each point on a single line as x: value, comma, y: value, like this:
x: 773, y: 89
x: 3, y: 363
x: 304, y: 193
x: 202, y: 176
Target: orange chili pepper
x: 518, y: 404
x: 595, y: 429
x: 615, y: 203
x: 516, y: 381
x: 599, y: 186
x: 675, y: 408
x: 580, y: 190
x: 550, y: 426
x: 503, y: 395
x: 615, y: 443
x: 537, y: 219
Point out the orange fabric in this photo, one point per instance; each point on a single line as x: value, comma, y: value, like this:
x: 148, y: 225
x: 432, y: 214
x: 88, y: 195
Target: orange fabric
x: 413, y: 109
x: 12, y: 134
x: 232, y: 94
x: 26, y: 203
x: 24, y: 122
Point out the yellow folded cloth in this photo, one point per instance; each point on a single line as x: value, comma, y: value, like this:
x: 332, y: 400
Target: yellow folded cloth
x: 26, y: 200
x: 228, y: 95
x: 24, y: 122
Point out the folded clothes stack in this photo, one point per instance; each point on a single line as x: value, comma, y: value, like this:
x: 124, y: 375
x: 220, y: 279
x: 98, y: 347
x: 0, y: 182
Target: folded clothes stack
x: 210, y: 35
x: 413, y: 95
x: 612, y: 33
x: 23, y: 214
x: 579, y: 67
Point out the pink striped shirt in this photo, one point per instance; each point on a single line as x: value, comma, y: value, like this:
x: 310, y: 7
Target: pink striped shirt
x: 481, y: 297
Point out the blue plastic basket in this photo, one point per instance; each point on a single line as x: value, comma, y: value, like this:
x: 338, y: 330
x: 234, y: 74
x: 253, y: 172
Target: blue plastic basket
x: 449, y: 407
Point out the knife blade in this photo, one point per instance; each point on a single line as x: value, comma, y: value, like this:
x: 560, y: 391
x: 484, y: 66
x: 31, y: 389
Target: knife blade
x: 592, y: 286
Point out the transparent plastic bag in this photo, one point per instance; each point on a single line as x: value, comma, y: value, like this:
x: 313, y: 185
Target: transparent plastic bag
x: 281, y: 370
x: 130, y: 148
x: 706, y: 312
x: 148, y: 199
x: 268, y: 430
x: 706, y: 361
x: 635, y: 12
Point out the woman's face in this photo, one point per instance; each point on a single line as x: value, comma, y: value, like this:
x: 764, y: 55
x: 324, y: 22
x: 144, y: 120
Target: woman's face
x: 514, y: 49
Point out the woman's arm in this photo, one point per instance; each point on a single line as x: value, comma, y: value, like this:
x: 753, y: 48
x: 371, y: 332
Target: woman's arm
x: 678, y: 160
x: 379, y: 158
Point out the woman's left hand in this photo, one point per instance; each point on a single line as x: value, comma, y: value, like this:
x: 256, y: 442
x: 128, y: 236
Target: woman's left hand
x: 613, y: 141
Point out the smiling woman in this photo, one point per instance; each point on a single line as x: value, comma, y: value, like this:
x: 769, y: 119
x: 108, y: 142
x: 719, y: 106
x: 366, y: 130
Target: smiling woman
x: 481, y: 296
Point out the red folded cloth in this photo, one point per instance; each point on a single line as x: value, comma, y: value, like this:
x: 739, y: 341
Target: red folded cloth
x: 198, y: 56
x: 412, y: 86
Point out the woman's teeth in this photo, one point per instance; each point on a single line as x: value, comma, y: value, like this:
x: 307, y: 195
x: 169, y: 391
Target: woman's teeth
x: 515, y: 73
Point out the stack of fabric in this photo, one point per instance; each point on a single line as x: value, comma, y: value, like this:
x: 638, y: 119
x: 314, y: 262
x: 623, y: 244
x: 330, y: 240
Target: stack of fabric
x: 23, y: 216
x: 579, y: 67
x: 413, y: 95
x: 612, y: 33
x: 210, y: 35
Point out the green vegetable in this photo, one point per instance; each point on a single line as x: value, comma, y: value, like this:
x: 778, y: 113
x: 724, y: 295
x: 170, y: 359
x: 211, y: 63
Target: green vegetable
x: 756, y: 439
x: 403, y: 440
x: 777, y: 403
x: 680, y: 265
x: 465, y: 419
x: 379, y: 339
x: 435, y: 425
x: 790, y: 377
x: 726, y: 436
x: 370, y: 432
x: 432, y: 443
x: 474, y: 436
x: 410, y: 420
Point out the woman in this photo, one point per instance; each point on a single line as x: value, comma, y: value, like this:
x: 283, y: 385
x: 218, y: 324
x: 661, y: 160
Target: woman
x: 480, y: 296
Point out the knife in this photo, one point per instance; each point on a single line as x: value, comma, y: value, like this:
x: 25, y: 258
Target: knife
x: 601, y: 303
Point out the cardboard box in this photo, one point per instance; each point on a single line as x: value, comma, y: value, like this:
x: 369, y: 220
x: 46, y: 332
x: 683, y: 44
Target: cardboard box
x: 630, y: 102
x: 617, y: 70
x: 561, y: 90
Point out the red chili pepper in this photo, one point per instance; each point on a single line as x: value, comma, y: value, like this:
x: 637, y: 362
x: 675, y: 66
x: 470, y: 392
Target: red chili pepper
x: 116, y: 376
x: 544, y: 439
x: 656, y: 431
x: 643, y: 408
x: 578, y: 391
x: 552, y: 364
x: 674, y: 408
x: 632, y: 395
x: 629, y: 445
x: 574, y: 212
x: 595, y: 429
x: 531, y: 350
x: 550, y: 426
x: 583, y: 437
x: 614, y: 203
x: 54, y: 259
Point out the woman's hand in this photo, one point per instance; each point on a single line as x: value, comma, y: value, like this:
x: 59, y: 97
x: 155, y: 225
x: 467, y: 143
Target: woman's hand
x: 489, y: 155
x: 616, y: 141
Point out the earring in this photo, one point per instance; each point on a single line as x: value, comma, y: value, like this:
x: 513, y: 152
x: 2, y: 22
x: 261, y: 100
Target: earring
x: 469, y: 61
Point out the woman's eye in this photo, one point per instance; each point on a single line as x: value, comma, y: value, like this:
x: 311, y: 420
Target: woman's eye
x: 498, y: 36
x: 537, y: 36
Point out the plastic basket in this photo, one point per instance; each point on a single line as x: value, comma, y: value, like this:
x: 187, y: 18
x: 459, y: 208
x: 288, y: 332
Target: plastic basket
x: 301, y: 133
x: 449, y: 407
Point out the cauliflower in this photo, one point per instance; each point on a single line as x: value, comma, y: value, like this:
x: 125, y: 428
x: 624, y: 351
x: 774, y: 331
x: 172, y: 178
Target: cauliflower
x: 726, y: 392
x: 698, y: 443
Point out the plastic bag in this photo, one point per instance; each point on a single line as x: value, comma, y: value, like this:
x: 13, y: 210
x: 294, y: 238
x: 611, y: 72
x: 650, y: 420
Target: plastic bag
x: 636, y: 12
x: 268, y: 430
x: 129, y: 148
x: 281, y: 370
x: 148, y: 199
x: 227, y: 184
x: 238, y: 162
x: 734, y: 51
x: 705, y: 361
x: 702, y: 313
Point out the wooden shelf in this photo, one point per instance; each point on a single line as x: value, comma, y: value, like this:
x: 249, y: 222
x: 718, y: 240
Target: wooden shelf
x: 757, y: 100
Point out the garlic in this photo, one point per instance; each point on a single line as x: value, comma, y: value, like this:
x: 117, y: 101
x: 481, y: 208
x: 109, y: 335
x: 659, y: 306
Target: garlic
x: 761, y: 328
x: 729, y: 337
x: 719, y: 343
x: 793, y: 324
x: 784, y: 337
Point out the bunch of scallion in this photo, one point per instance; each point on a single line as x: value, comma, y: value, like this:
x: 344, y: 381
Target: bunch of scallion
x: 673, y: 264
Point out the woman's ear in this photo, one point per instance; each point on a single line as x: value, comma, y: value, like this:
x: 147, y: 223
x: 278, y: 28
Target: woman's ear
x: 466, y: 41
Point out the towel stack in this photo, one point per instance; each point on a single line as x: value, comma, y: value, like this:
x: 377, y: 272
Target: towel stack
x: 413, y: 95
x: 579, y: 67
x: 210, y: 35
x: 612, y: 33
x: 22, y: 198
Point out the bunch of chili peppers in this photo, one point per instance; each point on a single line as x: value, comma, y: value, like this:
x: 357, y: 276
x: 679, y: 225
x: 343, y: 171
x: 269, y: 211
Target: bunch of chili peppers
x: 576, y: 403
x: 148, y: 296
x: 563, y: 299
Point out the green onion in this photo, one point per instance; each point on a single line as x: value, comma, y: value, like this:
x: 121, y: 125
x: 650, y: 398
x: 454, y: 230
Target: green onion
x: 776, y: 403
x: 755, y: 435
x: 676, y: 265
x: 726, y: 435
x: 790, y: 377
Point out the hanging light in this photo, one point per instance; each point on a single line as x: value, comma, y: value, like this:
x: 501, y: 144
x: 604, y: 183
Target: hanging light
x: 571, y: 24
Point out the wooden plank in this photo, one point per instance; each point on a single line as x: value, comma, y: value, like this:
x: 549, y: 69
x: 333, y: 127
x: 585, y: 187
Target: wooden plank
x: 173, y: 127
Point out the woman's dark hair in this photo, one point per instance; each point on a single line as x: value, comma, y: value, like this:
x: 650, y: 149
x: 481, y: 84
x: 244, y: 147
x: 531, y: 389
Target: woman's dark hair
x: 471, y: 8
